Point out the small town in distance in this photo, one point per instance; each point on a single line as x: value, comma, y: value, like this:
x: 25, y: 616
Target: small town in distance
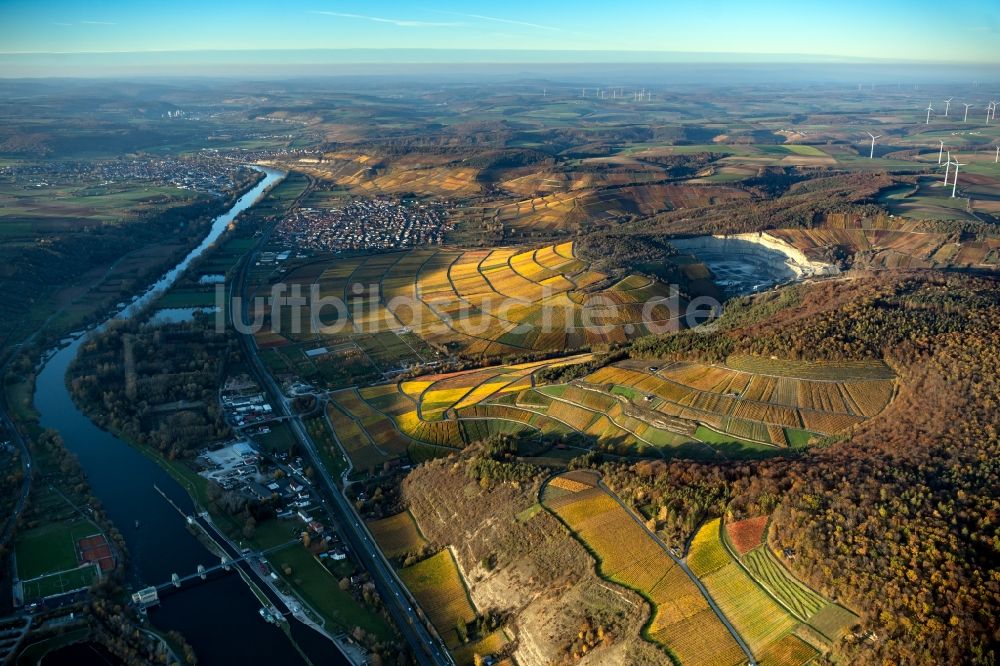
x: 440, y: 346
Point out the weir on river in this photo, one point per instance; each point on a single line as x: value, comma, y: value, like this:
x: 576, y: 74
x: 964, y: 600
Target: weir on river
x: 219, y: 618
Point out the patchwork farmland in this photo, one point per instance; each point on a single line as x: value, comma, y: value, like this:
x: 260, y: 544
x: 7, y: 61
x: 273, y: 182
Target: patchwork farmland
x: 434, y: 414
x: 747, y: 407
x: 682, y: 620
x: 780, y: 620
x: 481, y: 303
x: 761, y: 597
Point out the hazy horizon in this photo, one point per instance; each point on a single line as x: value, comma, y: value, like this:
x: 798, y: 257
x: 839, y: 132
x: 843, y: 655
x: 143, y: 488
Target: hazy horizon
x: 56, y: 37
x: 571, y: 65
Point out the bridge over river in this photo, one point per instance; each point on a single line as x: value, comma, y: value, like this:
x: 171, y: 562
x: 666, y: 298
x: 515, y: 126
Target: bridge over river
x: 149, y: 595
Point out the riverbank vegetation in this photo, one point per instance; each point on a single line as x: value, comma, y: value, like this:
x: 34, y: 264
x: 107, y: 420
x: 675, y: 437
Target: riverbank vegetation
x: 851, y: 421
x: 156, y: 385
x: 60, y: 274
x: 62, y: 513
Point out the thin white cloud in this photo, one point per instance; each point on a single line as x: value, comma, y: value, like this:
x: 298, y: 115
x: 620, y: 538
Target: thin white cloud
x: 402, y: 23
x: 97, y: 23
x: 497, y: 19
x: 509, y: 35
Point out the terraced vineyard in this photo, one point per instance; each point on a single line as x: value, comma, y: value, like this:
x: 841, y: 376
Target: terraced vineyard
x: 685, y: 409
x: 477, y: 303
x: 781, y: 619
x: 682, y: 621
x: 438, y: 586
x: 435, y: 413
x: 772, y: 611
x: 763, y: 401
x: 828, y: 620
x: 352, y: 170
x: 697, y: 410
x: 368, y: 437
x: 759, y: 619
x: 571, y: 208
x: 764, y: 566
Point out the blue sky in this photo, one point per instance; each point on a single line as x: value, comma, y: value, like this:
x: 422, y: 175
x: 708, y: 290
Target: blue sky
x: 894, y: 30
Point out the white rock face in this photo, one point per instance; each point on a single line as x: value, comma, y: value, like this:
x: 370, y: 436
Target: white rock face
x: 784, y: 261
x: 796, y: 259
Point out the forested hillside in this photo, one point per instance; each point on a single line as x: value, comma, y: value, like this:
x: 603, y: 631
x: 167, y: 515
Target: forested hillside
x: 899, y: 519
x: 896, y: 519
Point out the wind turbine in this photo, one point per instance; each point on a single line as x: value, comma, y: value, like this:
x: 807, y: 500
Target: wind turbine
x: 940, y: 150
x: 994, y: 114
x: 929, y: 110
x: 947, y: 169
x: 947, y: 105
x: 989, y: 109
x: 997, y: 158
x: 966, y: 119
x: 871, y: 156
x: 954, y: 183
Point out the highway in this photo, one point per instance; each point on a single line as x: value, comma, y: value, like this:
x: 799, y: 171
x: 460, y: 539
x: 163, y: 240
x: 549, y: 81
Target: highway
x: 426, y: 648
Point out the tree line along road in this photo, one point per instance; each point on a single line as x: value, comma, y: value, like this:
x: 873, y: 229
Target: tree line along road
x: 426, y: 648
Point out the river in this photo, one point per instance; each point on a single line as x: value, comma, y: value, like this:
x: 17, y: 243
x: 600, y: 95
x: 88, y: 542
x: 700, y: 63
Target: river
x: 219, y: 617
